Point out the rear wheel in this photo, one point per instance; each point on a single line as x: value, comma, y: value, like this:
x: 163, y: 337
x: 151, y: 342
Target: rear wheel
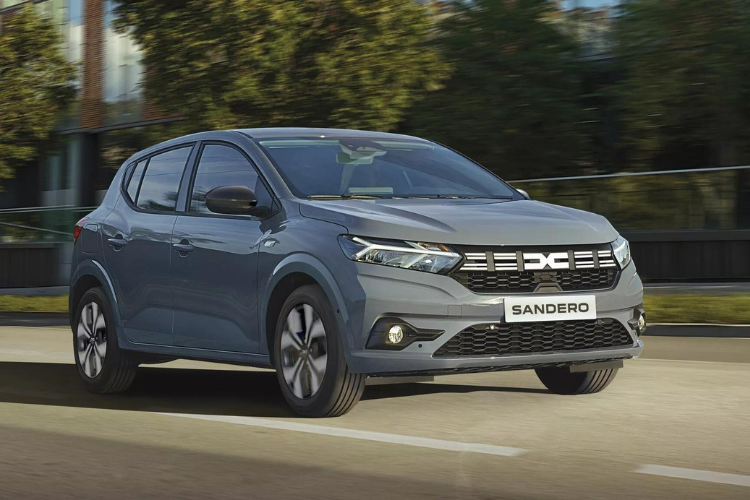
x: 309, y: 357
x: 560, y: 380
x: 102, y: 365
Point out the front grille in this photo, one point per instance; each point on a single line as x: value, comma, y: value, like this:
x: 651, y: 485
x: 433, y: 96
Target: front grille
x: 524, y: 270
x: 507, y: 339
x: 528, y: 281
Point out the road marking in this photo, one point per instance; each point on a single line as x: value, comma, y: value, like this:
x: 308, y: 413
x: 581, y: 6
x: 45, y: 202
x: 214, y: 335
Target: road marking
x: 23, y: 352
x: 695, y: 361
x: 437, y: 444
x: 710, y: 325
x: 697, y: 475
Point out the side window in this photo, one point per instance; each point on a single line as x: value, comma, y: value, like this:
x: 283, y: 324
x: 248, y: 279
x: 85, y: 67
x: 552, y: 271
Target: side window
x: 161, y: 182
x: 135, y: 180
x: 223, y: 166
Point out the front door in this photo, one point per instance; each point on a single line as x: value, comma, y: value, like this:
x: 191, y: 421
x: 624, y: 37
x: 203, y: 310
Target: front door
x: 215, y: 259
x: 137, y: 242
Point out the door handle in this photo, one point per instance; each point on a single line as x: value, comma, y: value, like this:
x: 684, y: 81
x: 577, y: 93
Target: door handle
x: 183, y: 247
x: 117, y: 242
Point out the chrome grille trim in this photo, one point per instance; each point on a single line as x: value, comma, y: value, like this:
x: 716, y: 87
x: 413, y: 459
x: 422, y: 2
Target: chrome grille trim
x: 527, y: 269
x: 509, y: 261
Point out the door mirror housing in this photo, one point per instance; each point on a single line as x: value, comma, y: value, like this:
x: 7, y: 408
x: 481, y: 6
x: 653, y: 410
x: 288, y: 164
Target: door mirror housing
x: 233, y: 200
x: 524, y: 193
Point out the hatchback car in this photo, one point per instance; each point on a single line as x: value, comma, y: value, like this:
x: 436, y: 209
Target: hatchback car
x: 337, y: 255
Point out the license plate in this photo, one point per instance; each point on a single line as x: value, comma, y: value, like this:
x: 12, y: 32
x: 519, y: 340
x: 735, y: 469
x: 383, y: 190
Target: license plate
x: 550, y: 308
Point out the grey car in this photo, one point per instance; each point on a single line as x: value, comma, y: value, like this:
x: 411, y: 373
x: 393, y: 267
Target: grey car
x: 336, y: 255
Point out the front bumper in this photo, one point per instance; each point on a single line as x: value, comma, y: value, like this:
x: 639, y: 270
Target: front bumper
x: 434, y: 302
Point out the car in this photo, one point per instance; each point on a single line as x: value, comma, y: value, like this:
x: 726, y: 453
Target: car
x: 336, y: 255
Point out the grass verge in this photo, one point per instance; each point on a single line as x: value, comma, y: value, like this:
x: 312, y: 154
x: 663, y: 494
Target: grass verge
x: 18, y: 303
x: 666, y: 308
x: 696, y: 308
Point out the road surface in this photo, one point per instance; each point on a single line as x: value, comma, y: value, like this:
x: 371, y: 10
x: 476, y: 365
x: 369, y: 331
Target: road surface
x: 674, y: 424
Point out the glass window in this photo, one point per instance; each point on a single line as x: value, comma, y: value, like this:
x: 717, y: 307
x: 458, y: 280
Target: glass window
x: 67, y: 15
x: 161, y: 182
x: 123, y: 73
x: 221, y: 166
x: 135, y: 180
x: 9, y: 3
x: 588, y: 4
x: 381, y: 168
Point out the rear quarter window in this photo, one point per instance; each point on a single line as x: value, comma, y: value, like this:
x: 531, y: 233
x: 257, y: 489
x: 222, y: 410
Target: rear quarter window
x: 161, y: 180
x: 135, y: 180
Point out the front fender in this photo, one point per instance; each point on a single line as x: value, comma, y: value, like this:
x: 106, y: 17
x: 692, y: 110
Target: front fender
x: 308, y: 264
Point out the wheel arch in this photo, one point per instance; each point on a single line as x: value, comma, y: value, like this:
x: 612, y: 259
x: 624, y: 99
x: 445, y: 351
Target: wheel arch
x: 88, y: 275
x: 291, y: 273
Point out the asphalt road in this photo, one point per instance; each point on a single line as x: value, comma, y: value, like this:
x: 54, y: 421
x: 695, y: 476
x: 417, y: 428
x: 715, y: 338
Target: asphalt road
x: 192, y: 430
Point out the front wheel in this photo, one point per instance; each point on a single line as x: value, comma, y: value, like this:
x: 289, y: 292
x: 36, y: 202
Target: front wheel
x: 309, y: 357
x: 561, y: 380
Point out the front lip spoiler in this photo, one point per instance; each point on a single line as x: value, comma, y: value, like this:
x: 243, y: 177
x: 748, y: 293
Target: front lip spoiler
x: 488, y: 369
x: 390, y: 362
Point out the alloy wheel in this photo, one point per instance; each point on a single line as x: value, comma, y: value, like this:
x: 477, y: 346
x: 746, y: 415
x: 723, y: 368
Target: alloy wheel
x: 91, y: 339
x: 304, y: 353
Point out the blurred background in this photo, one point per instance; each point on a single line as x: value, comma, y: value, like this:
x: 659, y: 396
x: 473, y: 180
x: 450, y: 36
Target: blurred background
x: 635, y: 109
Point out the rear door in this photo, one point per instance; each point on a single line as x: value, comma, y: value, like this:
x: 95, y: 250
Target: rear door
x: 137, y: 241
x: 215, y: 258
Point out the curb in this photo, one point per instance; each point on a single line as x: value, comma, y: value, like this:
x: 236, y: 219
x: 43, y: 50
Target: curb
x: 698, y: 330
x: 36, y: 319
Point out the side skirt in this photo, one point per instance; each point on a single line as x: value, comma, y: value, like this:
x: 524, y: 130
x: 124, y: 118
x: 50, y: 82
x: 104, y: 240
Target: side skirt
x: 227, y: 357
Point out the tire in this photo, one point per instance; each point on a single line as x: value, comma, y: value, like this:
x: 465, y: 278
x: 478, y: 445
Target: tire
x: 310, y: 363
x: 107, y: 368
x: 561, y: 381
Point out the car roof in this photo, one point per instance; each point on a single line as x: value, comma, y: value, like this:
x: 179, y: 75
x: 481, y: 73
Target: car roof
x: 273, y: 132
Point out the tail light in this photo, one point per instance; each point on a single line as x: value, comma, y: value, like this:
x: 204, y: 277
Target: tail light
x: 78, y: 228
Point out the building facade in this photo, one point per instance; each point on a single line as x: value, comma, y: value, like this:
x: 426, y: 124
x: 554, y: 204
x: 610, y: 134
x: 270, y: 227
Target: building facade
x: 106, y: 122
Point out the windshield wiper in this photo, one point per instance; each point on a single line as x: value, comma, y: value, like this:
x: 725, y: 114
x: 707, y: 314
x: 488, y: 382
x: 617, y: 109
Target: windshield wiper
x: 457, y: 197
x: 345, y: 197
x: 413, y: 197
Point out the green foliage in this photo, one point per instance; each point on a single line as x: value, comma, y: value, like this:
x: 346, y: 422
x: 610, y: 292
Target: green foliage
x: 684, y: 67
x: 696, y: 308
x: 650, y: 203
x: 514, y: 102
x: 19, y: 303
x: 35, y: 86
x: 231, y: 63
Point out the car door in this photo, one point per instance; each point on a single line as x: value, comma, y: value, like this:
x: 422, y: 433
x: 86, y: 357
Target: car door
x: 215, y: 258
x: 137, y: 236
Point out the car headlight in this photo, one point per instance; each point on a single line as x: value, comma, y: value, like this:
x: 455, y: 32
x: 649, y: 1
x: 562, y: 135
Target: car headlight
x: 428, y: 257
x: 621, y: 249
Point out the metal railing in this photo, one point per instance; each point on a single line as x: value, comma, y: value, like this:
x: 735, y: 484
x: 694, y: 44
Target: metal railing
x: 671, y: 200
x: 48, y: 224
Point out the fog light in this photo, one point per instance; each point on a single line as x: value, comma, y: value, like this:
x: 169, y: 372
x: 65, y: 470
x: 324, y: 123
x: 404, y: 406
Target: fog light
x: 638, y: 321
x: 641, y: 327
x: 395, y: 335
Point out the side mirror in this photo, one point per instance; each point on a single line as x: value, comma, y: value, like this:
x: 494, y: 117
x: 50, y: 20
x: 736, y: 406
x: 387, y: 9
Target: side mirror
x: 524, y: 193
x: 233, y: 200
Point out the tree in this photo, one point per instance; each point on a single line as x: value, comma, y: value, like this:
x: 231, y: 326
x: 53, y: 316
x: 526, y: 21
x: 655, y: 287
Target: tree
x: 514, y: 101
x: 232, y: 63
x: 35, y: 86
x: 684, y: 86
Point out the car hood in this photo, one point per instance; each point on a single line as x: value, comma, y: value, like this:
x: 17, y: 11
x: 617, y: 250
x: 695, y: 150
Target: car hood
x: 464, y: 222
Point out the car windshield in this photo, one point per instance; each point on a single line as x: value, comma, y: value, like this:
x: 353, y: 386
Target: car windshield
x: 355, y: 167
